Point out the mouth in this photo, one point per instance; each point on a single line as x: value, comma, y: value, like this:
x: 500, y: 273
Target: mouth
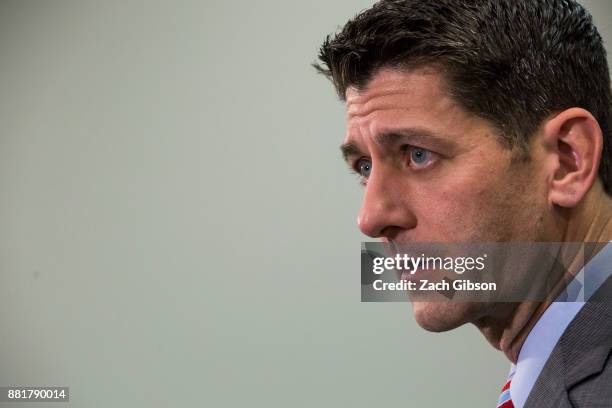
x: 420, y: 273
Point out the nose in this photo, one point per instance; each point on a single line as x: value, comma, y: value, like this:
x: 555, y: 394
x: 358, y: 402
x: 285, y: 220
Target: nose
x: 386, y: 209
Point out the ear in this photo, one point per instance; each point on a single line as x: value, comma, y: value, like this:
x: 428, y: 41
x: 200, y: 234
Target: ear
x: 574, y: 140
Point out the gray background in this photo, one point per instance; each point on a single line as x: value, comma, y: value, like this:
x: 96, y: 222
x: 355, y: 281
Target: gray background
x: 177, y: 227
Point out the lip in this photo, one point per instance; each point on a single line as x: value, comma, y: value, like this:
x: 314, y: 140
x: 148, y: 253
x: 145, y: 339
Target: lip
x: 407, y: 276
x: 390, y: 248
x: 412, y: 275
x: 433, y: 274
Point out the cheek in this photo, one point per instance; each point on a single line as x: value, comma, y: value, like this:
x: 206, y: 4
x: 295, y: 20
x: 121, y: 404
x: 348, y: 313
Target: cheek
x: 468, y: 211
x: 494, y: 201
x: 452, y: 212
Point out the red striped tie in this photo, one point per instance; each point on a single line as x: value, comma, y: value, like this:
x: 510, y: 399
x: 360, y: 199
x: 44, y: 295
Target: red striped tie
x: 504, y: 399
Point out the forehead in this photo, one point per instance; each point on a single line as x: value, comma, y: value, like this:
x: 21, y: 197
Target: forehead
x: 388, y: 82
x: 416, y: 98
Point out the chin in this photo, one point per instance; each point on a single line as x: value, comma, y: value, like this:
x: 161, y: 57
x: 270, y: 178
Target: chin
x: 442, y: 316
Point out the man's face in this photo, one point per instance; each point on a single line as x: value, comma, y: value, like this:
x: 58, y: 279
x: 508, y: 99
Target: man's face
x: 435, y: 173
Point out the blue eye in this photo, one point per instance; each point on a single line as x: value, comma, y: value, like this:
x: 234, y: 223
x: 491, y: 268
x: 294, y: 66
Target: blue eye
x: 419, y: 156
x: 364, y: 168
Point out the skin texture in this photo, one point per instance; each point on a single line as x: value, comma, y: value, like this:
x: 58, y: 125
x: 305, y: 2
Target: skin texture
x: 470, y: 188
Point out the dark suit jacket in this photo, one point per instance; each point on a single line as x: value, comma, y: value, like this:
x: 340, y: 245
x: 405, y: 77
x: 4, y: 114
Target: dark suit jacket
x: 578, y: 372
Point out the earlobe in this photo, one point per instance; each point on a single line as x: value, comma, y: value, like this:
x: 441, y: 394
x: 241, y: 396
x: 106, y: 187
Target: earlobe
x: 575, y: 139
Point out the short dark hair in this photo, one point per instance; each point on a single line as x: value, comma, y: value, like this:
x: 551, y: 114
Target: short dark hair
x: 511, y: 62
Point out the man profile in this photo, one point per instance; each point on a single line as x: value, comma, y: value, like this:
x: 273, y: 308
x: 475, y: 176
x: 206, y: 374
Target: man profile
x: 489, y: 121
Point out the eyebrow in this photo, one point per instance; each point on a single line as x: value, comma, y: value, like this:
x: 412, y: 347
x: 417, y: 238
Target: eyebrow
x: 350, y: 150
x: 415, y: 136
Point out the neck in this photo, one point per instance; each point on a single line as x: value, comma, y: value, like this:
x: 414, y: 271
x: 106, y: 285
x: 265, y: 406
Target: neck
x: 507, y: 325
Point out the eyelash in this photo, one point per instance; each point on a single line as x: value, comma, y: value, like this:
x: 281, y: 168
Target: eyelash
x: 362, y: 180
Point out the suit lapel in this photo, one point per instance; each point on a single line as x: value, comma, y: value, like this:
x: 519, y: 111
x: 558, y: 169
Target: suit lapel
x: 581, y: 352
x: 546, y: 393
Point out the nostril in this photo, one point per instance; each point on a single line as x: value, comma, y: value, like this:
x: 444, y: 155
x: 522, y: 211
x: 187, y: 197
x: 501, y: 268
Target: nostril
x: 391, y: 233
